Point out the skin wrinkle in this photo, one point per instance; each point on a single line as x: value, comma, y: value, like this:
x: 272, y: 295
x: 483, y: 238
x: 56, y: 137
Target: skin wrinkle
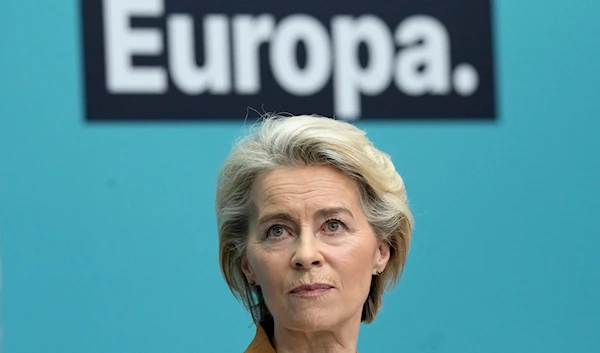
x: 346, y: 258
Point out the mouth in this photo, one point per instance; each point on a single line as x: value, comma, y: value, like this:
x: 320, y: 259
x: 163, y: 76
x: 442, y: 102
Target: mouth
x: 311, y: 290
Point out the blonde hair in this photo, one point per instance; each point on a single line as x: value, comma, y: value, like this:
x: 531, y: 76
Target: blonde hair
x: 278, y: 141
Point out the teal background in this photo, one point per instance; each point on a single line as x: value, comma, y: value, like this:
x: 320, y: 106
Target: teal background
x: 108, y: 234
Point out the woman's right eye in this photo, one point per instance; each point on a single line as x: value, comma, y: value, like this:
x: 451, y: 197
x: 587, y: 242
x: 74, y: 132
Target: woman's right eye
x: 276, y: 231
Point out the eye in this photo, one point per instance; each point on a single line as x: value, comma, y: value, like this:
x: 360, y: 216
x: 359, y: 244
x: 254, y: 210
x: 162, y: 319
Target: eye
x: 276, y: 231
x: 334, y: 225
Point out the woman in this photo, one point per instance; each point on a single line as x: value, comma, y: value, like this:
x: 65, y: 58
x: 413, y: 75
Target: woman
x: 313, y: 225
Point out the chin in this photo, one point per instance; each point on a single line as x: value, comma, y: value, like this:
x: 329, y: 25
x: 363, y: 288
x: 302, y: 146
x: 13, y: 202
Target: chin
x: 311, y: 319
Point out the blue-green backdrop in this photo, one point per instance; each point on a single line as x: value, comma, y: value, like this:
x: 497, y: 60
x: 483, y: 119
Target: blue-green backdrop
x: 108, y: 233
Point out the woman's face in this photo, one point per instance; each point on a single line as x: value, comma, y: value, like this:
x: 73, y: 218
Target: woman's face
x: 310, y: 247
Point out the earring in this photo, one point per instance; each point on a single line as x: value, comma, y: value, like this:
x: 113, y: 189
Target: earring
x: 252, y: 282
x: 379, y: 272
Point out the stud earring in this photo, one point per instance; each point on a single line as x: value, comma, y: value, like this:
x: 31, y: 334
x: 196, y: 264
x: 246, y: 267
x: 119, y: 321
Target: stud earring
x: 252, y: 282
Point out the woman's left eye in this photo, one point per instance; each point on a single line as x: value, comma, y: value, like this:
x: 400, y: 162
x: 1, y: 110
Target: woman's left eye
x: 333, y: 225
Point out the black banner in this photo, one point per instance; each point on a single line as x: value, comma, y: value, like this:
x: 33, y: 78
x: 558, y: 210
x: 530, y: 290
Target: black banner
x: 213, y: 59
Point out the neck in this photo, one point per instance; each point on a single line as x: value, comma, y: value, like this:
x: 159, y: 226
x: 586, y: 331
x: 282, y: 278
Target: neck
x: 340, y: 339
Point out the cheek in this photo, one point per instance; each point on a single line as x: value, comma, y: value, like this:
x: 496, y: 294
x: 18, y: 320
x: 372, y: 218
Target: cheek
x: 271, y: 276
x: 355, y: 266
x: 269, y: 269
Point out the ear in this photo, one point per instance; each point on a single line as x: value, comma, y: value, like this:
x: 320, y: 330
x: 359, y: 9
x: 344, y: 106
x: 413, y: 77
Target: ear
x: 382, y: 256
x: 250, y: 276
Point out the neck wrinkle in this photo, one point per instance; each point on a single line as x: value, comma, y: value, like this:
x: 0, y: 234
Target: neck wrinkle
x: 341, y: 340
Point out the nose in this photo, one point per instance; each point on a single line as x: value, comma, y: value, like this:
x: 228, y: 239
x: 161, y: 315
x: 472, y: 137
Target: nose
x: 307, y: 253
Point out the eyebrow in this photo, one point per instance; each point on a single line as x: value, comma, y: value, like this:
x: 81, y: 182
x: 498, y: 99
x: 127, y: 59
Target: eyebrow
x: 322, y: 213
x: 328, y: 212
x: 276, y: 216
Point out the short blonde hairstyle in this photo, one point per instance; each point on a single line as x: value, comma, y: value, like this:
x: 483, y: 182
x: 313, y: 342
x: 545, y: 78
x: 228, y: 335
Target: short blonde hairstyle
x: 284, y: 141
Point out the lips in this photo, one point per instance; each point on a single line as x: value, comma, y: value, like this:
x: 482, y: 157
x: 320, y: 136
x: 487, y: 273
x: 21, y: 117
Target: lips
x: 307, y: 288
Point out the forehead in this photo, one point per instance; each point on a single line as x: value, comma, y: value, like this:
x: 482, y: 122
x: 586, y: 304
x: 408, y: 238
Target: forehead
x: 307, y: 184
